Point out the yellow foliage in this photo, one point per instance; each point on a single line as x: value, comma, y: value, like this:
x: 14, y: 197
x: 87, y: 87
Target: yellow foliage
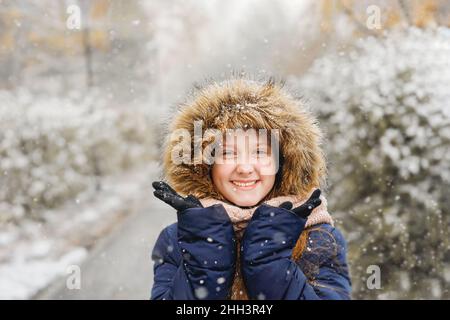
x: 420, y: 13
x: 393, y: 18
x: 100, y: 9
x: 99, y: 39
x: 70, y: 43
x: 425, y: 13
x: 7, y: 42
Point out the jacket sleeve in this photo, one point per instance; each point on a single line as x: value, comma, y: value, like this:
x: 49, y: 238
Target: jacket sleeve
x: 198, y: 261
x: 270, y: 273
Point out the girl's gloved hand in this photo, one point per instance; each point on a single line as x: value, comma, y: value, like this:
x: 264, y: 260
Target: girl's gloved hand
x: 267, y: 245
x: 165, y: 193
x: 305, y: 209
x: 207, y: 242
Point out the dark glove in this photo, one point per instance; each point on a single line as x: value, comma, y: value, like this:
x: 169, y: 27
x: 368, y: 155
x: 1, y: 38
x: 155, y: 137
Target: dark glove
x: 207, y: 242
x: 267, y: 245
x: 165, y: 193
x: 305, y: 209
x: 278, y: 228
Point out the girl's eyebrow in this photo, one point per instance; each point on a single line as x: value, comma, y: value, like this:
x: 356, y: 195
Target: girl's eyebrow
x: 234, y: 148
x: 233, y: 144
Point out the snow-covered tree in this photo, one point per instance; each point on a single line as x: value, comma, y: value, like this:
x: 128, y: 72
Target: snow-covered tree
x: 385, y: 106
x: 51, y: 149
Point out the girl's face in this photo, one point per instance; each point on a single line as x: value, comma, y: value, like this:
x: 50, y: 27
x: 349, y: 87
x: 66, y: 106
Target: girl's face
x: 244, y: 170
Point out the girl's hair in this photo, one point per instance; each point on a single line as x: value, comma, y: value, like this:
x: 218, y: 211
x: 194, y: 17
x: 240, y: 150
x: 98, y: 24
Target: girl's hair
x: 310, y: 261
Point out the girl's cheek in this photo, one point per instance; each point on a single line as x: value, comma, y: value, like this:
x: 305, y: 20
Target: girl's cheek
x: 222, y: 172
x: 267, y: 166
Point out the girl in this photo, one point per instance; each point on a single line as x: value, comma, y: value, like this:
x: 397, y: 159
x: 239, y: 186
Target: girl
x: 251, y: 223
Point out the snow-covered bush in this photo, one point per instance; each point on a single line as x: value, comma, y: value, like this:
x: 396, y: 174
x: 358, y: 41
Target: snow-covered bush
x: 51, y: 149
x: 385, y: 106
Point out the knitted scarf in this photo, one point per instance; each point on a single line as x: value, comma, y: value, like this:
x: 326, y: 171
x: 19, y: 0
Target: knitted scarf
x: 240, y: 218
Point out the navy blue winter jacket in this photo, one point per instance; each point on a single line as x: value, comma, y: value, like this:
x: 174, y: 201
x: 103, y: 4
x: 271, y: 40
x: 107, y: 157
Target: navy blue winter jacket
x: 195, y: 258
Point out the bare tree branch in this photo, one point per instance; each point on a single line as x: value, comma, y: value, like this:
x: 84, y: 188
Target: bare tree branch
x: 405, y: 11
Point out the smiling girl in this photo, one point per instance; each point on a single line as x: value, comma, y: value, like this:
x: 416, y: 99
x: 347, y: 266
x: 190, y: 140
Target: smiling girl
x: 253, y: 224
x: 244, y: 168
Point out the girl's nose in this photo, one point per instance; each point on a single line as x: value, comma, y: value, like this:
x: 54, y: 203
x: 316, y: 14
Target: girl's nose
x: 244, y: 168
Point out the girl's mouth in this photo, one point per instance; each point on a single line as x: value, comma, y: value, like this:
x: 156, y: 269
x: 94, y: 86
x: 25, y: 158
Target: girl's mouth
x: 245, y: 185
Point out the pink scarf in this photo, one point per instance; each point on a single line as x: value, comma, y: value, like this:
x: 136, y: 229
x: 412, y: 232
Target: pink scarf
x: 240, y: 217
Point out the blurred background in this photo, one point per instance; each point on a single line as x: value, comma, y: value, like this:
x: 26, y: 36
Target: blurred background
x: 87, y: 86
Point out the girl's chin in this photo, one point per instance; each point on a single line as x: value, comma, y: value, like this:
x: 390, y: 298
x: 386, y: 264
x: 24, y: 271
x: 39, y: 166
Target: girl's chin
x: 242, y: 202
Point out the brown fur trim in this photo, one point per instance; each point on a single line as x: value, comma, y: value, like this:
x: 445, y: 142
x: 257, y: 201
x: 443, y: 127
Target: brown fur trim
x: 240, y: 103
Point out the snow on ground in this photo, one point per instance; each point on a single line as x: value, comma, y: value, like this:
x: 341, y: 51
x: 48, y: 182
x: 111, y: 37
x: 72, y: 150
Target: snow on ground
x: 35, y: 253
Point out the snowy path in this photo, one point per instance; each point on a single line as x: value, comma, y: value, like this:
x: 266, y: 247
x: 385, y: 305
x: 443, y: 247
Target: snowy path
x: 120, y: 266
x: 109, y: 234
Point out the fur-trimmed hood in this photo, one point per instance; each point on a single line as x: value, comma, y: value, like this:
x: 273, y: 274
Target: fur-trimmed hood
x: 240, y: 103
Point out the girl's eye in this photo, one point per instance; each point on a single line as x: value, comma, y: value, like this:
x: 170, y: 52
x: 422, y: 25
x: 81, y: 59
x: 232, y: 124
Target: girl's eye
x: 228, y: 153
x: 261, y: 152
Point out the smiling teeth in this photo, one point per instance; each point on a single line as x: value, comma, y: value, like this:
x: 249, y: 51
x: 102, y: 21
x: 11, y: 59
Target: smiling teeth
x: 244, y: 184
